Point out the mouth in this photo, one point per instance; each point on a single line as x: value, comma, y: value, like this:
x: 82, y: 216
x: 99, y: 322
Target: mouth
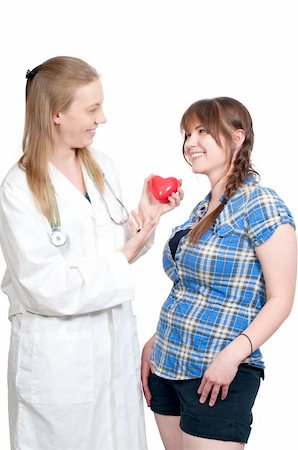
x: 91, y: 131
x: 196, y: 155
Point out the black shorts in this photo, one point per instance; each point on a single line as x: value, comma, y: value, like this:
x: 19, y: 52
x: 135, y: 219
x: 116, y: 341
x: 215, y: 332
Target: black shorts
x: 227, y: 420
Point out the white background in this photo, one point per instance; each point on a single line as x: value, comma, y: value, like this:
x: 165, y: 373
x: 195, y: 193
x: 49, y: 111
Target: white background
x: 157, y: 57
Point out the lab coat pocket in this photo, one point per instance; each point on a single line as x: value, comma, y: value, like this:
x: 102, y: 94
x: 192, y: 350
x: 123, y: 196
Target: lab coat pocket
x: 62, y: 368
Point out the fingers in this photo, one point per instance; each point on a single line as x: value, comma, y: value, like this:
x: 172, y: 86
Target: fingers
x: 136, y: 243
x: 177, y: 197
x: 214, y: 394
x: 146, y: 182
x: 146, y: 391
x: 181, y: 192
x: 141, y: 221
x: 204, y: 389
x: 148, y: 178
x: 224, y: 392
x: 147, y: 369
x: 136, y: 224
x: 174, y: 200
x: 211, y: 390
x: 145, y: 373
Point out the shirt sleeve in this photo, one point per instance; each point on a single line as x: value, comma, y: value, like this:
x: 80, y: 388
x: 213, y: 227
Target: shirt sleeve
x: 265, y: 211
x: 42, y: 280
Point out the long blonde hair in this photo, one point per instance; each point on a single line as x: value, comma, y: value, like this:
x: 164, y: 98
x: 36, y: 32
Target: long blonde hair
x: 220, y: 116
x: 49, y: 89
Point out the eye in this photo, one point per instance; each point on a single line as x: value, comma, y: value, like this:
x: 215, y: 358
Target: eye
x: 202, y: 130
x: 94, y: 108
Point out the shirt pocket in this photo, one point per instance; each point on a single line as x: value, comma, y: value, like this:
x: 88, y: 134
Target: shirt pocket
x: 224, y: 229
x: 229, y: 235
x: 56, y: 368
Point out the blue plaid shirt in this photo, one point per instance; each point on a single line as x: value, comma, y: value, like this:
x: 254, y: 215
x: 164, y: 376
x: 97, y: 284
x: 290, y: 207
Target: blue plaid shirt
x: 218, y: 284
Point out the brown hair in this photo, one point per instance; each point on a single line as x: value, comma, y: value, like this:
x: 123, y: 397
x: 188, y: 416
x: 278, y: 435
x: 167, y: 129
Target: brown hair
x: 221, y: 116
x: 50, y: 88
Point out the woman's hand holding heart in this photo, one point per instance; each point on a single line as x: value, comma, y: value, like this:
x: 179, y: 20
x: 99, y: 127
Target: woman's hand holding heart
x: 160, y: 195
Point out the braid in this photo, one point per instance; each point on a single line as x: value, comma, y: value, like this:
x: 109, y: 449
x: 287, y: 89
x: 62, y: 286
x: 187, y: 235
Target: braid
x: 241, y: 169
x: 205, y: 224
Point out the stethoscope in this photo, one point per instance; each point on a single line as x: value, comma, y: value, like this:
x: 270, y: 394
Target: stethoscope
x: 59, y: 238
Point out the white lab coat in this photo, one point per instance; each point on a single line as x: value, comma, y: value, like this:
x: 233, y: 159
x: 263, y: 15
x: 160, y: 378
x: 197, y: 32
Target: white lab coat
x: 73, y: 374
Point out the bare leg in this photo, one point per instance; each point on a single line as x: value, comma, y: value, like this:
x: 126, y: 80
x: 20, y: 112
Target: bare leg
x: 169, y: 431
x: 197, y: 443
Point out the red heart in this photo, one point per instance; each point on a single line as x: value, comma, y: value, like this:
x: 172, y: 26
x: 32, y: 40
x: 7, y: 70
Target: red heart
x: 162, y: 188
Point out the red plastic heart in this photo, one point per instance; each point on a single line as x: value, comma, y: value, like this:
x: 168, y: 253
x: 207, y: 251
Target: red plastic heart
x: 162, y: 188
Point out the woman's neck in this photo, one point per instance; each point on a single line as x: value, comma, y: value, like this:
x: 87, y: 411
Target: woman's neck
x: 217, y: 190
x: 63, y: 157
x: 69, y: 165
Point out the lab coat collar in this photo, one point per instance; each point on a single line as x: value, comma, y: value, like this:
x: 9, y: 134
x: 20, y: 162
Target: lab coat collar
x: 64, y: 189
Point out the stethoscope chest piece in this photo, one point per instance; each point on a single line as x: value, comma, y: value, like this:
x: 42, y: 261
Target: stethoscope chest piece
x: 58, y: 238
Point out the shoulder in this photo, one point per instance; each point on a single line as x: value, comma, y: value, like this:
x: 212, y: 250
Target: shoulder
x: 257, y: 204
x: 109, y: 169
x: 15, y: 178
x: 265, y: 211
x: 263, y: 196
x: 252, y: 193
x: 104, y: 161
x: 15, y: 192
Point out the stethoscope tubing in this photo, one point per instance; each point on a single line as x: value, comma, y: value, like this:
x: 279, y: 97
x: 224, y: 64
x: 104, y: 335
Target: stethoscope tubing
x: 59, y: 238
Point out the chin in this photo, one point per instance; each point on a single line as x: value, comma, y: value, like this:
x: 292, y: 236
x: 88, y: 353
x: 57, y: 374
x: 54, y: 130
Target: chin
x: 87, y: 143
x: 199, y: 170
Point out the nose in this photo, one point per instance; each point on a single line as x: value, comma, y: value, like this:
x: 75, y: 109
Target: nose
x: 191, y: 140
x: 101, y: 118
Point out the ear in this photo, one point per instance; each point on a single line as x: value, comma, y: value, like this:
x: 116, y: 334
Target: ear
x: 239, y: 136
x: 57, y: 119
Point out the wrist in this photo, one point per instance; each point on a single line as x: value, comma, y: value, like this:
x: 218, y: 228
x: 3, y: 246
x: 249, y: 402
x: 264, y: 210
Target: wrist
x: 238, y: 350
x: 128, y: 255
x: 249, y: 340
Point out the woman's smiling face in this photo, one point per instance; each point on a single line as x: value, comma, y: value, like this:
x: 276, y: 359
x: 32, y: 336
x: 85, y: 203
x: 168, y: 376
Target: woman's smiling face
x: 203, y: 153
x: 76, y: 126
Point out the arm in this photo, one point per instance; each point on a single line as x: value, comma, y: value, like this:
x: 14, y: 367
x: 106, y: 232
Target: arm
x: 278, y: 258
x: 139, y: 231
x: 146, y: 219
x: 142, y: 232
x: 42, y: 279
x: 146, y: 368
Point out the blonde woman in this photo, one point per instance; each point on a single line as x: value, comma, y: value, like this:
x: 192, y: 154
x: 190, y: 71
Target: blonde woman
x: 73, y: 363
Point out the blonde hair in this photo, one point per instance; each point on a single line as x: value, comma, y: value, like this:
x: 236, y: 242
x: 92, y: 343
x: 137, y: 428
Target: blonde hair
x: 221, y: 116
x: 50, y: 88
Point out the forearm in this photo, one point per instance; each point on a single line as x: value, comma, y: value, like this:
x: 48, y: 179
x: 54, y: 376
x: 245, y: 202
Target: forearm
x: 268, y: 320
